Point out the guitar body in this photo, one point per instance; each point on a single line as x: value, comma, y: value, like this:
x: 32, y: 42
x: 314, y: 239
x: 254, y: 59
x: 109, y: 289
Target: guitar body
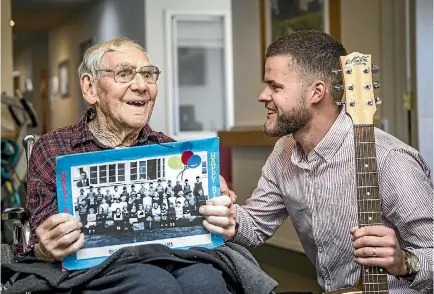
x: 360, y: 104
x: 356, y: 290
x: 346, y: 291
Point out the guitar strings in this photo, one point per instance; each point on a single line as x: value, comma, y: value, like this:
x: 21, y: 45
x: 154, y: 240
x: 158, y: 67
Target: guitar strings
x: 373, y: 277
x: 361, y: 138
x: 364, y: 203
x: 360, y: 159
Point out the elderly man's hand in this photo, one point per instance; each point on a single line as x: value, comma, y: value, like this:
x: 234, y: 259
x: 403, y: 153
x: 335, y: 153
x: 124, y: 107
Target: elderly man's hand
x: 58, y: 236
x: 219, y: 212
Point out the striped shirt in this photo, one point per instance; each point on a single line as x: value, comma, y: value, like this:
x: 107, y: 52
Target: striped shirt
x: 318, y: 192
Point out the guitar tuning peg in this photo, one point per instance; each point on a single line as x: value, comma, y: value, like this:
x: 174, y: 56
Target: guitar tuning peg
x: 339, y: 103
x: 378, y: 100
x: 339, y: 87
x: 375, y: 68
x: 376, y: 84
x: 336, y: 71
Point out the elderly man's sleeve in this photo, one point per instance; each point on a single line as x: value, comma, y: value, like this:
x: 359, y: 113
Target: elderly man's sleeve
x: 41, y: 189
x: 407, y: 194
x: 264, y: 211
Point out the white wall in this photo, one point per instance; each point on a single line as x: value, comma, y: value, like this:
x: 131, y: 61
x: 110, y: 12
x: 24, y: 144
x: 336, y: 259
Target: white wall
x: 102, y: 21
x: 156, y: 45
x: 424, y: 76
x: 247, y: 63
x: 116, y: 18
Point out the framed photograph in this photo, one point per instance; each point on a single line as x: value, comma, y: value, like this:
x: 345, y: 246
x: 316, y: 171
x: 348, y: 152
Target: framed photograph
x: 282, y: 17
x: 64, y: 74
x: 139, y: 195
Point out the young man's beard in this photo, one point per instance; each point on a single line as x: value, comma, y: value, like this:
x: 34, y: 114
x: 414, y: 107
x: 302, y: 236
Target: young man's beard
x: 290, y: 122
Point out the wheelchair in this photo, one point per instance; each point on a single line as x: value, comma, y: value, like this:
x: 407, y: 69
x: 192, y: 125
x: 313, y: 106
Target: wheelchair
x: 19, y: 215
x: 25, y: 117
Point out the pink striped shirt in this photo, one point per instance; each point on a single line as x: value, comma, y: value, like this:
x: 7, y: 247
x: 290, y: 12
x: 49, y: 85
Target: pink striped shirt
x: 318, y: 193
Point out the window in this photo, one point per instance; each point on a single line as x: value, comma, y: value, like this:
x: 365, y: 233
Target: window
x: 112, y: 173
x: 121, y: 172
x: 93, y: 175
x: 201, y: 67
x: 153, y: 170
x: 116, y: 173
x: 102, y: 174
x: 142, y: 170
x: 204, y: 167
x: 148, y: 170
x: 133, y: 171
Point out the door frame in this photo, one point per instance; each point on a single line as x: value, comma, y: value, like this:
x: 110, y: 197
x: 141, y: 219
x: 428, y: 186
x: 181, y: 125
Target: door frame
x: 173, y: 101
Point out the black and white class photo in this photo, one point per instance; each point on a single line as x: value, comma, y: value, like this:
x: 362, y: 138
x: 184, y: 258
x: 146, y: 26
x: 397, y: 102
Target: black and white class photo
x: 150, y: 200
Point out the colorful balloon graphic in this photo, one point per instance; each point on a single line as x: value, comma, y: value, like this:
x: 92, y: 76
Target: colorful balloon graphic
x: 194, y: 161
x: 175, y: 163
x: 186, y: 156
x: 188, y: 159
x: 186, y: 146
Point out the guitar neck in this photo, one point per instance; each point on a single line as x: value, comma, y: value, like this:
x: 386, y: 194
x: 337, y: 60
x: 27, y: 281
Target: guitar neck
x: 374, y: 279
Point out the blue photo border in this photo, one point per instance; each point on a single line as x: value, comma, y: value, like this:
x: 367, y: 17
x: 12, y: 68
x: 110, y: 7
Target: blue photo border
x: 66, y: 162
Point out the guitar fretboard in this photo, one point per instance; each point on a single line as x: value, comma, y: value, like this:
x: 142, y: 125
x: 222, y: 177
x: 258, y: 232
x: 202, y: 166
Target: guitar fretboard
x: 368, y: 200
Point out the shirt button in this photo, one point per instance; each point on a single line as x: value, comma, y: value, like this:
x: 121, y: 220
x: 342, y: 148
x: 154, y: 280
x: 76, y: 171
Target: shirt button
x: 320, y: 250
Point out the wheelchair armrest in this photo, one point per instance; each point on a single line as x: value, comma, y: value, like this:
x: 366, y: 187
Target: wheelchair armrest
x: 16, y: 213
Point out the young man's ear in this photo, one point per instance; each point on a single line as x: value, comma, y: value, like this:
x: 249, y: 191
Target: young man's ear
x: 88, y: 88
x: 317, y: 91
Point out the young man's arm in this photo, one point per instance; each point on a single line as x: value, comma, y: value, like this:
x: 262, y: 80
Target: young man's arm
x: 265, y: 211
x: 407, y: 193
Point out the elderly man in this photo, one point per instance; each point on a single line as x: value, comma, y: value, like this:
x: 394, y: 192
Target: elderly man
x: 119, y: 82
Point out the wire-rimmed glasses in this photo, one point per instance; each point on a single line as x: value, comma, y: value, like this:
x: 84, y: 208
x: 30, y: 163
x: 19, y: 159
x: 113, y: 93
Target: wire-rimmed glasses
x: 126, y: 73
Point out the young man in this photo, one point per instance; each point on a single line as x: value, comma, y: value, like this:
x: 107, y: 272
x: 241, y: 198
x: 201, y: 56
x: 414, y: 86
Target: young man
x: 311, y: 177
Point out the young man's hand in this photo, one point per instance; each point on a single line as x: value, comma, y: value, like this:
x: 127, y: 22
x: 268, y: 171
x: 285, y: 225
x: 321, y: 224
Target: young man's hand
x: 378, y: 246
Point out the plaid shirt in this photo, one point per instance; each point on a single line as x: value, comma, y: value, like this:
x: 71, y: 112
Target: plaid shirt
x: 76, y: 138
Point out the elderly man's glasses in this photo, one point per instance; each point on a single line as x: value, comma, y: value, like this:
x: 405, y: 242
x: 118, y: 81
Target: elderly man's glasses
x: 127, y: 73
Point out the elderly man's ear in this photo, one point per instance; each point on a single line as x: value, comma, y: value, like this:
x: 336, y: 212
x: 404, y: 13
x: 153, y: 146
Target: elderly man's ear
x: 88, y: 88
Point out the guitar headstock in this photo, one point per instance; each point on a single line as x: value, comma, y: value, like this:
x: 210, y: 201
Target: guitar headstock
x: 357, y: 70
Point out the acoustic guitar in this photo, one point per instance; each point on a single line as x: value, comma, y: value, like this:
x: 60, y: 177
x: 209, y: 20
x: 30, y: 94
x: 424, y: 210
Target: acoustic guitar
x: 360, y: 104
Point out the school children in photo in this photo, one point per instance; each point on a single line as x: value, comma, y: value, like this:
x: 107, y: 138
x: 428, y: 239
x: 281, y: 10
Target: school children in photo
x: 91, y: 221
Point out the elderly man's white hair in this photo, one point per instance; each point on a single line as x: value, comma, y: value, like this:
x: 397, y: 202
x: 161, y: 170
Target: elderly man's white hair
x: 93, y: 57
